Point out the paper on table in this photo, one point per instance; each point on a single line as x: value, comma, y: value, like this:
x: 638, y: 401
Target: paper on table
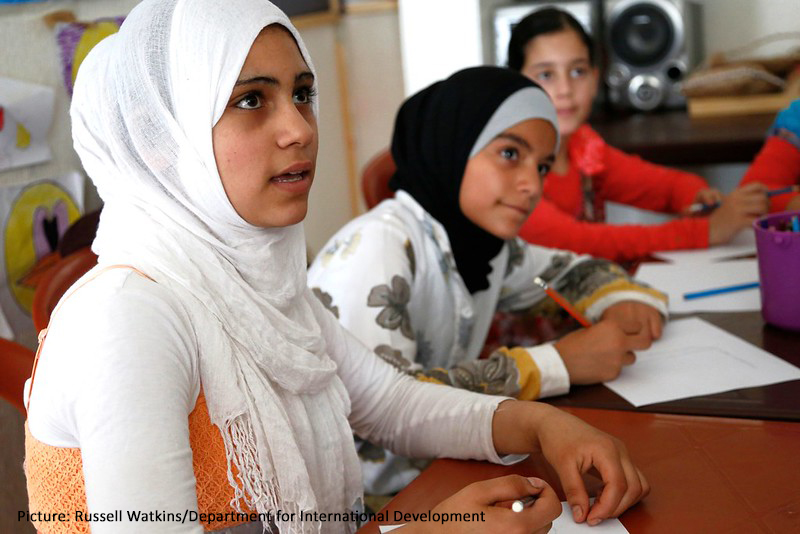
x: 564, y: 524
x: 676, y: 279
x: 694, y: 358
x: 742, y: 244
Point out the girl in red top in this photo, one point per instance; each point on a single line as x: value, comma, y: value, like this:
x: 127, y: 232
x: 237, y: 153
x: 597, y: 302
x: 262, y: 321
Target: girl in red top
x: 552, y: 48
x: 777, y: 165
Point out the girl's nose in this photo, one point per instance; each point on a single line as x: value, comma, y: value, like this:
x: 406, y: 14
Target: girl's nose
x: 295, y: 128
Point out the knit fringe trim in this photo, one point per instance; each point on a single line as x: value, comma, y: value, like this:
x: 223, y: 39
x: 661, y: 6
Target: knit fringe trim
x: 252, y: 487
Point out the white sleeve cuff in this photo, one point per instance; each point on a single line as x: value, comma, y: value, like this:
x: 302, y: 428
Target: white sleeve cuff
x: 555, y: 378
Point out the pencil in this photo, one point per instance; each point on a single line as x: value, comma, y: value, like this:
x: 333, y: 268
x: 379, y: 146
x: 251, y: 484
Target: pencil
x: 719, y: 291
x: 699, y: 207
x: 564, y: 303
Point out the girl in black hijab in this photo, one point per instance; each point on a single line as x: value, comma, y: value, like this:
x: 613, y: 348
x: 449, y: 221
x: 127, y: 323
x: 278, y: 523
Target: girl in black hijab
x: 419, y: 277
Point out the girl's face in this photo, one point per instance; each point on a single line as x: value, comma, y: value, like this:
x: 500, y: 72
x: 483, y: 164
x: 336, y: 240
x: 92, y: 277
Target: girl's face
x: 265, y: 143
x: 503, y: 182
x: 559, y: 62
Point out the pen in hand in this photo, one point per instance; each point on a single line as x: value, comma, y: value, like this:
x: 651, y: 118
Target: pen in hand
x: 520, y: 504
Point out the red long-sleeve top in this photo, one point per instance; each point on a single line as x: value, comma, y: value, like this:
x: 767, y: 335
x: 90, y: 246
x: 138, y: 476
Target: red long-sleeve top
x: 777, y: 165
x: 560, y: 220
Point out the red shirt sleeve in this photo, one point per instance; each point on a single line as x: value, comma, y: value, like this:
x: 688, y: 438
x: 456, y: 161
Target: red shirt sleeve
x: 776, y: 165
x: 551, y: 227
x: 630, y: 180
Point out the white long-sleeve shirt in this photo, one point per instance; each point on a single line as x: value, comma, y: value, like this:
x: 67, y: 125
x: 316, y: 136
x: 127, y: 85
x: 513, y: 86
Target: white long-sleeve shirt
x: 118, y: 376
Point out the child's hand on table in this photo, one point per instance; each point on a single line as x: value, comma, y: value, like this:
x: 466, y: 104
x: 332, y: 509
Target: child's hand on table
x: 573, y: 448
x: 482, y: 497
x: 597, y: 354
x: 738, y: 211
x: 636, y: 318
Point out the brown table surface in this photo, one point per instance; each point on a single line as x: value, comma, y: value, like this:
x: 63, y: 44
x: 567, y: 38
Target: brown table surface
x: 707, y: 474
x: 776, y: 401
x: 674, y: 138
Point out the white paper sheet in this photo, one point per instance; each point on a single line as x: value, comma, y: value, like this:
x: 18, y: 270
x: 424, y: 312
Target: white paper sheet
x: 742, y: 244
x: 565, y: 525
x: 695, y: 358
x: 676, y: 279
x: 26, y: 112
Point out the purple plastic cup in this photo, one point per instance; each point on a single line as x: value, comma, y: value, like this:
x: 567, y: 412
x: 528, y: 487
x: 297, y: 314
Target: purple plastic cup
x: 779, y: 269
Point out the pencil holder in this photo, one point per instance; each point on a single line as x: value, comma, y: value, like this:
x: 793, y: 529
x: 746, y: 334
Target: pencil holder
x: 778, y: 247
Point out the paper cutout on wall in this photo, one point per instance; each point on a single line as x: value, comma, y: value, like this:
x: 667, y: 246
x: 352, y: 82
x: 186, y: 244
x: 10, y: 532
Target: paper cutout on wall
x: 35, y: 216
x: 26, y: 112
x: 75, y: 39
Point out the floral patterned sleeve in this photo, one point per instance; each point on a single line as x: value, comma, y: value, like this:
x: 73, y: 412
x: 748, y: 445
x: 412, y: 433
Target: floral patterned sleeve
x: 364, y: 276
x: 590, y: 284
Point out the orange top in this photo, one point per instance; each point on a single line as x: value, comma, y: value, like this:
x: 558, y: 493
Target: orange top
x: 55, y: 474
x: 55, y: 478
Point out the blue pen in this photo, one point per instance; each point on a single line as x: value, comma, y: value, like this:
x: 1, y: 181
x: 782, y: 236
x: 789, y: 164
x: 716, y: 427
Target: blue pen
x: 719, y: 290
x: 795, y: 224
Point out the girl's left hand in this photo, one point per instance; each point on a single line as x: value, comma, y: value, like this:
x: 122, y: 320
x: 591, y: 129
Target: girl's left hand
x: 636, y: 318
x: 709, y: 196
x: 573, y: 448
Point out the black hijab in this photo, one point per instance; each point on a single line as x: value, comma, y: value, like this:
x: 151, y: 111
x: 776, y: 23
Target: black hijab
x: 434, y: 134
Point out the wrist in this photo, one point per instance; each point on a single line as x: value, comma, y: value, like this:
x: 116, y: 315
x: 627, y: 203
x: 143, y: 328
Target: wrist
x: 516, y: 426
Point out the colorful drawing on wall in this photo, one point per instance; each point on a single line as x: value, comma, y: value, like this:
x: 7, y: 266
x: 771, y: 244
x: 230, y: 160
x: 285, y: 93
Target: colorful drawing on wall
x: 26, y: 112
x: 35, y: 216
x: 75, y: 39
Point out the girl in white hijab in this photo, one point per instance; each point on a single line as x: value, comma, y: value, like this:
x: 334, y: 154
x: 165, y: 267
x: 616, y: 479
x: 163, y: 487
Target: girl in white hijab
x: 197, y: 124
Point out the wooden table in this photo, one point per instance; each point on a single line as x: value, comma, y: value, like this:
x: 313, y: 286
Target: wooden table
x: 776, y: 401
x: 708, y: 474
x: 674, y: 138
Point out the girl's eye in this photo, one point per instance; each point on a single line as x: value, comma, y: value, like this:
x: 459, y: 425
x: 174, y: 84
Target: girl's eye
x: 250, y: 101
x: 544, y: 76
x: 305, y: 95
x: 511, y: 154
x: 543, y: 169
x: 578, y: 72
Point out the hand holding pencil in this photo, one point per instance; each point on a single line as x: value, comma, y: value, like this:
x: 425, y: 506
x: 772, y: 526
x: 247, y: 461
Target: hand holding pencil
x: 738, y: 211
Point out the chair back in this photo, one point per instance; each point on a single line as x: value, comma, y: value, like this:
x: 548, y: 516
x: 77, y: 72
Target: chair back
x: 375, y: 178
x: 56, y: 280
x: 16, y: 363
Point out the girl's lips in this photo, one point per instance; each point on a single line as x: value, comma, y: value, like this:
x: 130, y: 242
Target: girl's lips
x: 297, y: 183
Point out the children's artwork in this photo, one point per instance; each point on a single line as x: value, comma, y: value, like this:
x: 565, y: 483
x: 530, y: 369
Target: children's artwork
x: 75, y: 39
x: 26, y: 112
x: 35, y: 216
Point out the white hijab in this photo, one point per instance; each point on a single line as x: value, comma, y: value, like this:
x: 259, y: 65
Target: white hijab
x: 144, y: 105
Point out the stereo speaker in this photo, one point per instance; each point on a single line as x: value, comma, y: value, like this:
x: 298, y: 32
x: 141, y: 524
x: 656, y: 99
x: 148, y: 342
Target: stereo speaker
x: 651, y: 45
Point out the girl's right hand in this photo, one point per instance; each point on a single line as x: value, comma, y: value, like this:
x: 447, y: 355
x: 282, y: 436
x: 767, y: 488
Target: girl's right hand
x: 598, y: 353
x: 484, y: 496
x: 738, y: 211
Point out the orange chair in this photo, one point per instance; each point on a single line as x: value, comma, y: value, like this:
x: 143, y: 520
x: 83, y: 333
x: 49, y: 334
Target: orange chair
x: 375, y: 178
x: 56, y: 280
x: 16, y: 363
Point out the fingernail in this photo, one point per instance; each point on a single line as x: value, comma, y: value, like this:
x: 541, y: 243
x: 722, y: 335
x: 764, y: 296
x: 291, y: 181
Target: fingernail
x: 577, y: 513
x: 594, y: 522
x: 537, y: 483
